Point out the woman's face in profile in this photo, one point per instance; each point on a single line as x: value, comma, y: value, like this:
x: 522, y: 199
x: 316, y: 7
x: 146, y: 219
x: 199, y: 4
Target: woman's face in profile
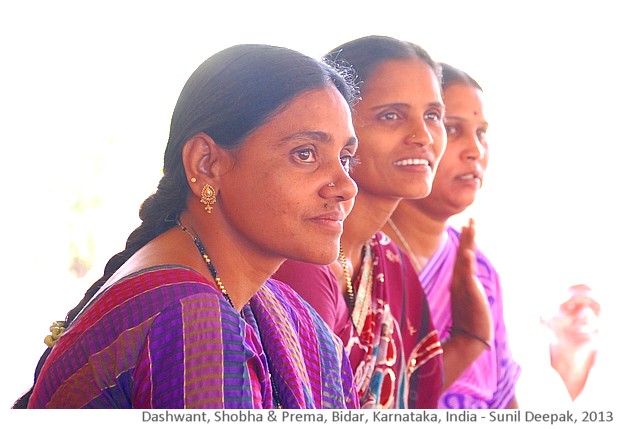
x: 278, y: 197
x: 461, y: 171
x: 399, y: 122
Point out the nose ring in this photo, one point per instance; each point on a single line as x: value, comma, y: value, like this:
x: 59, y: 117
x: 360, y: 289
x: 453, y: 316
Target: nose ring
x: 412, y: 136
x: 331, y: 184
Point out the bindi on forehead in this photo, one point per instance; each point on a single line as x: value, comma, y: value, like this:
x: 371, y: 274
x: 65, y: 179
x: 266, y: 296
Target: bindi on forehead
x: 475, y: 113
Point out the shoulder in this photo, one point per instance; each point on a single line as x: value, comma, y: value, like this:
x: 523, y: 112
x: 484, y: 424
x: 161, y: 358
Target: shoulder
x: 150, y: 293
x: 167, y: 282
x: 313, y: 282
x: 295, y: 272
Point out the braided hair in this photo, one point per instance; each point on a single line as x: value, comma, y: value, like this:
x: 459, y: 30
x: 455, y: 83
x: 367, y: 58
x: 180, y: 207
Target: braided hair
x: 228, y: 96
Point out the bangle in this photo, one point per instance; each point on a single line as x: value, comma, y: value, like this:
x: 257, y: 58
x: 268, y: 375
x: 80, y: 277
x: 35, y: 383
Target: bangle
x: 455, y: 330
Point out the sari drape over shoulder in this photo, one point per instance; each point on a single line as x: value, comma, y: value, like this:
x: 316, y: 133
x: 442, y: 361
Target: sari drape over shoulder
x: 489, y: 382
x: 166, y: 338
x: 389, y: 336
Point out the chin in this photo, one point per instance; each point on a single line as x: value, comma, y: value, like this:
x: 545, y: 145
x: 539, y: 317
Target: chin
x: 416, y: 193
x: 324, y: 255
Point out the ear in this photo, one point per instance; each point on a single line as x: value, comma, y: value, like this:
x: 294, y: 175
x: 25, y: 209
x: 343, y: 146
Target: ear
x: 201, y: 160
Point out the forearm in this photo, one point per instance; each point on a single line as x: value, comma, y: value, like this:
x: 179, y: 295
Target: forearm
x: 458, y: 354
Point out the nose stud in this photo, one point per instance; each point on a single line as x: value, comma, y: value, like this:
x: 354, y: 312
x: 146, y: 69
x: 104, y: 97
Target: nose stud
x: 331, y: 184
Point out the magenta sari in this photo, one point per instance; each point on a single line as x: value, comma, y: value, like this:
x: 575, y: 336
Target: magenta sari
x: 389, y: 336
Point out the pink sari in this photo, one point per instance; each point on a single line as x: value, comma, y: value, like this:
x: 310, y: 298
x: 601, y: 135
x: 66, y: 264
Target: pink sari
x: 389, y: 336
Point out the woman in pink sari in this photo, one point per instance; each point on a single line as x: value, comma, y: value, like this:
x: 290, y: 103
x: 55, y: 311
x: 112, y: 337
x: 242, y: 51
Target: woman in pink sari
x: 372, y: 297
x: 480, y: 371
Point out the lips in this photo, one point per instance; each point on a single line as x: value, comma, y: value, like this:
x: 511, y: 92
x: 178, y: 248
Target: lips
x: 332, y: 219
x: 474, y: 175
x: 334, y: 216
x: 469, y: 176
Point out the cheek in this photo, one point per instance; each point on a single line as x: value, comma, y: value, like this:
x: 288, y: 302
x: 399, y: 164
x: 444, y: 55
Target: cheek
x: 440, y: 141
x: 485, y: 160
x: 372, y: 157
x: 445, y: 165
x: 282, y: 200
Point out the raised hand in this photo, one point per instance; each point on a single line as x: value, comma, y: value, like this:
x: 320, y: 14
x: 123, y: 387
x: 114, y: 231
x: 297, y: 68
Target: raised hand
x: 472, y: 325
x: 471, y: 315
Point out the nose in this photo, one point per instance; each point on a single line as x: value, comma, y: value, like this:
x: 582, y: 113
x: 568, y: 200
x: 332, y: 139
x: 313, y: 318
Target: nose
x: 474, y: 148
x: 341, y: 188
x: 419, y: 135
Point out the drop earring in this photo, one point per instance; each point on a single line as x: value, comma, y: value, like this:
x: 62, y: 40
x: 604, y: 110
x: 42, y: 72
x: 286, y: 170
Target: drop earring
x: 207, y: 197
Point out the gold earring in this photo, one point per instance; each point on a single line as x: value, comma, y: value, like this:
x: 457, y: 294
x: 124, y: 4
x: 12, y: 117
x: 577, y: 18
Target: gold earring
x: 193, y: 180
x: 207, y: 197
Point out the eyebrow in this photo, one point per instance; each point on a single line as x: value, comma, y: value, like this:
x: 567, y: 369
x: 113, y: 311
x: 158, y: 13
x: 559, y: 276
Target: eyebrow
x: 318, y: 136
x: 435, y: 104
x: 461, y: 119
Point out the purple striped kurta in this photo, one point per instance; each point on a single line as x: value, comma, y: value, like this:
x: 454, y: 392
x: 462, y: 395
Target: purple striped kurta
x: 166, y: 338
x: 490, y: 381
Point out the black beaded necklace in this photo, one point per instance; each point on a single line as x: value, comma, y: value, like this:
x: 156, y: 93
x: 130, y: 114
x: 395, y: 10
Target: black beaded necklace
x: 220, y: 285
x: 212, y: 270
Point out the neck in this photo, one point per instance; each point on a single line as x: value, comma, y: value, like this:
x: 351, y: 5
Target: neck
x: 242, y: 272
x: 368, y: 216
x: 415, y: 232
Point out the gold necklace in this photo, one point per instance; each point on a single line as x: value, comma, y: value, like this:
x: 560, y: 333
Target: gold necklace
x: 359, y: 303
x: 220, y: 285
x: 401, y: 237
x: 363, y: 296
x: 347, y: 278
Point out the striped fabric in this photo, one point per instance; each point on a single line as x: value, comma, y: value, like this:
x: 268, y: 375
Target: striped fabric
x: 166, y: 338
x: 490, y: 381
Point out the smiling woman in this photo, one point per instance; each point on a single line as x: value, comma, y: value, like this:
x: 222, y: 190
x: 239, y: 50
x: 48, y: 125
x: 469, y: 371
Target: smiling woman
x: 479, y: 368
x: 251, y: 165
x: 393, y: 347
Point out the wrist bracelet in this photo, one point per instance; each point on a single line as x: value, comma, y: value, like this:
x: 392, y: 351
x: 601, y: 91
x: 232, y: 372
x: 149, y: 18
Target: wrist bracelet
x: 455, y: 330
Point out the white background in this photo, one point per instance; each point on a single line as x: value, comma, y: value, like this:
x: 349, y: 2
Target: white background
x: 88, y: 88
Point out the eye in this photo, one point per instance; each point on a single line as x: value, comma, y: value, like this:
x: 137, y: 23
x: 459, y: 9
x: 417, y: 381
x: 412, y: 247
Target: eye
x: 434, y: 116
x: 348, y: 162
x: 482, y: 134
x: 389, y: 116
x: 452, y: 130
x: 305, y: 155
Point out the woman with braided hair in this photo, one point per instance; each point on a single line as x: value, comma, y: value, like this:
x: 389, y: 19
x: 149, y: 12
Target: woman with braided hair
x: 255, y: 172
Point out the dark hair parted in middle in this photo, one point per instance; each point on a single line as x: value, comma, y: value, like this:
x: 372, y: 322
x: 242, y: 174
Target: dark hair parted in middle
x: 365, y: 54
